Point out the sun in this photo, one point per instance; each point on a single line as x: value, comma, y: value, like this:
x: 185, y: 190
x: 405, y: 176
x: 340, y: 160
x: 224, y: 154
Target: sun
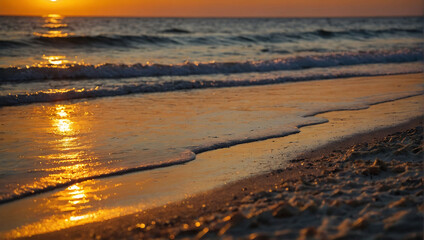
x: 53, y: 0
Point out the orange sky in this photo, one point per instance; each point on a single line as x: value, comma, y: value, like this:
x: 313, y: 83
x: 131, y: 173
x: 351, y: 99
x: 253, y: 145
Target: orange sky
x: 215, y: 8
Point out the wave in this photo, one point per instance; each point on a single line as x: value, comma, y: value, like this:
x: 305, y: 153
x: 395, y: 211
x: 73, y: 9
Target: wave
x: 343, y: 34
x: 15, y: 74
x: 323, y: 33
x: 366, y: 33
x: 134, y: 40
x: 6, y: 44
x: 175, y: 30
x: 102, y: 40
x: 168, y: 86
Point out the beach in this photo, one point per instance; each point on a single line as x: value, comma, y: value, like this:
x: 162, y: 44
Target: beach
x: 137, y: 127
x: 161, y: 188
x: 368, y: 186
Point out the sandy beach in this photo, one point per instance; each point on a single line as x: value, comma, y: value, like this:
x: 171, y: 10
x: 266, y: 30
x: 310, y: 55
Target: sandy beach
x: 369, y: 186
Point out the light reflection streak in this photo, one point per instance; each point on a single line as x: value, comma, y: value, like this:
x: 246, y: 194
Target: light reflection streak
x: 79, y: 196
x: 69, y: 161
x: 72, y: 208
x: 76, y: 198
x: 74, y: 187
x: 67, y: 155
x: 53, y: 21
x: 55, y: 29
x: 61, y: 113
x: 63, y: 125
x: 55, y: 25
x: 66, y: 159
x: 52, y: 34
x: 52, y: 17
x: 58, y: 223
x: 56, y: 61
x: 77, y: 218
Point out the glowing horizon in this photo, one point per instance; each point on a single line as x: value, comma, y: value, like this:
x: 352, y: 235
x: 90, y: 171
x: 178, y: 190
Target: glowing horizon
x: 215, y: 8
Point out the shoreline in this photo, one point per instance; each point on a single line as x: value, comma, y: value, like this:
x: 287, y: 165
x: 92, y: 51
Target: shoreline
x: 220, y: 200
x: 114, y: 197
x: 195, y: 151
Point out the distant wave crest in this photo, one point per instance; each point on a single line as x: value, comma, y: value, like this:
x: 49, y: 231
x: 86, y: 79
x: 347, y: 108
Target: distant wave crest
x: 103, y: 40
x: 14, y: 74
x: 175, y: 30
x: 183, y: 36
x: 367, y: 33
x: 5, y: 44
x: 325, y: 33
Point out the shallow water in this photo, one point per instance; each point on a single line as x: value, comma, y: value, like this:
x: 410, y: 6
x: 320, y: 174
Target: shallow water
x: 46, y: 146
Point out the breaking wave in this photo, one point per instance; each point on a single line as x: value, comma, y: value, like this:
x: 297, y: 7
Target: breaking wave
x: 15, y: 74
x: 167, y: 86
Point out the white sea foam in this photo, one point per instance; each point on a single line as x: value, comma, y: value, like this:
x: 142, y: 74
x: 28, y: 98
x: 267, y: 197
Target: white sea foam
x: 167, y: 86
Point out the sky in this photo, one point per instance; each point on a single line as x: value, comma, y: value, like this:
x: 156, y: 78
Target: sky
x: 215, y: 8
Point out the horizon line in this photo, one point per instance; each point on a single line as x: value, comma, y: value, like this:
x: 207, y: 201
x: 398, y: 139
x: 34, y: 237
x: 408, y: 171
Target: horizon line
x: 261, y: 17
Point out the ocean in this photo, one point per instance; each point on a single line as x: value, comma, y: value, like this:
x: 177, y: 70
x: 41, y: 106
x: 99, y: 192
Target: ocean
x: 85, y: 98
x: 57, y: 58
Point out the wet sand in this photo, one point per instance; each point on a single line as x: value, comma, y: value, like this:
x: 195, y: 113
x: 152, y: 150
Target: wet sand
x: 366, y: 186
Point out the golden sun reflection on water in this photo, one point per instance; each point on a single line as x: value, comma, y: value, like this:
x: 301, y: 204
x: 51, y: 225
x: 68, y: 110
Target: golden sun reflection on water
x: 66, y: 155
x: 62, y: 222
x: 61, y: 120
x: 75, y: 199
x: 53, y: 21
x: 76, y: 218
x: 54, y: 27
x: 52, y: 34
x: 63, y: 125
x: 61, y: 111
x: 53, y: 17
x: 71, y: 161
x: 71, y: 207
x: 56, y: 61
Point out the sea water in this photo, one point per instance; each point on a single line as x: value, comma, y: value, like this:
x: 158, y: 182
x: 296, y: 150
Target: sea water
x: 76, y: 102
